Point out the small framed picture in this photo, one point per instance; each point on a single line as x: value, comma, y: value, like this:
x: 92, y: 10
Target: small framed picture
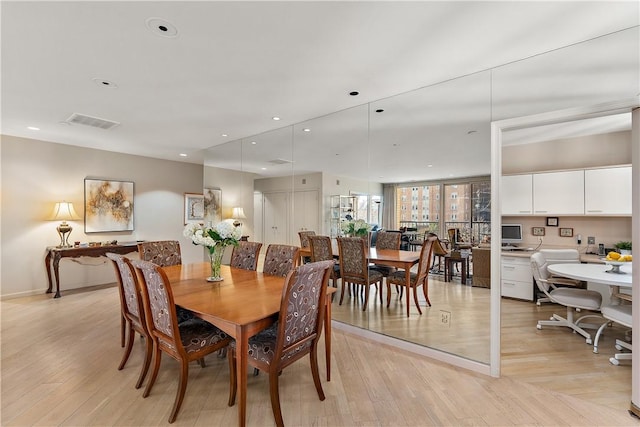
x: 537, y: 231
x: 552, y: 221
x: 193, y: 208
x: 566, y: 232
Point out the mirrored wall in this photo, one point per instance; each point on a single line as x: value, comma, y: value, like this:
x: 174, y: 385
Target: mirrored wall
x: 284, y: 178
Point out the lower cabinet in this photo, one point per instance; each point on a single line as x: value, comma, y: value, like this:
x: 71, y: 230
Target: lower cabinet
x: 516, y: 279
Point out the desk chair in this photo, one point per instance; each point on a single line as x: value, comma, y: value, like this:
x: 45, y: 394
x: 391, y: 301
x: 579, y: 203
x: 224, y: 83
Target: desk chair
x: 620, y: 313
x: 560, y: 256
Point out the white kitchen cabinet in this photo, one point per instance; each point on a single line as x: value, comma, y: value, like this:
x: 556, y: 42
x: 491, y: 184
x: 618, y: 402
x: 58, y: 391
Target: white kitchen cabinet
x: 517, y: 194
x: 516, y: 280
x: 608, y: 191
x: 558, y: 193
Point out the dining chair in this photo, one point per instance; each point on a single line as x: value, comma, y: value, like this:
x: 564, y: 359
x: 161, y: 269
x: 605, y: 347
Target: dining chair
x: 162, y: 252
x: 573, y: 299
x: 185, y: 342
x: 387, y: 240
x: 245, y: 255
x: 560, y: 256
x: 354, y: 268
x: 132, y: 312
x: 304, y: 241
x: 621, y: 313
x: 421, y: 277
x: 321, y: 250
x: 294, y: 335
x: 280, y: 259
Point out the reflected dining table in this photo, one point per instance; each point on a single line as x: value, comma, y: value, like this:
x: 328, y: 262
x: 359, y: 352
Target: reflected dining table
x: 242, y: 304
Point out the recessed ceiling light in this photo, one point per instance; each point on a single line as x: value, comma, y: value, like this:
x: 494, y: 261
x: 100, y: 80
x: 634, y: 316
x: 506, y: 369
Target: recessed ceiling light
x: 275, y: 118
x: 471, y: 131
x: 183, y: 155
x: 224, y: 135
x: 379, y: 110
x: 354, y: 93
x: 306, y: 130
x: 105, y: 83
x: 264, y: 169
x: 429, y: 166
x: 162, y: 27
x: 253, y: 143
x: 32, y: 128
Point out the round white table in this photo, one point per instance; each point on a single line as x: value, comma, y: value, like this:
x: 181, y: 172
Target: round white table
x: 595, y: 273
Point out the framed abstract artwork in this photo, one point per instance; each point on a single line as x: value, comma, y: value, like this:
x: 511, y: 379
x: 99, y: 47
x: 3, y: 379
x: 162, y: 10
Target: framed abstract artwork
x: 212, y: 205
x: 193, y: 208
x: 108, y: 205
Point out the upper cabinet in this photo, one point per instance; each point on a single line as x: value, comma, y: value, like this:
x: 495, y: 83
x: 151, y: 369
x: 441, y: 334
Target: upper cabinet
x: 558, y: 193
x: 517, y: 194
x: 608, y: 191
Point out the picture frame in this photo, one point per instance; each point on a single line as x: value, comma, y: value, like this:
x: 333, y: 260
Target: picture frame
x: 108, y: 205
x: 537, y: 231
x: 212, y: 205
x: 566, y: 232
x: 193, y: 208
x: 552, y: 221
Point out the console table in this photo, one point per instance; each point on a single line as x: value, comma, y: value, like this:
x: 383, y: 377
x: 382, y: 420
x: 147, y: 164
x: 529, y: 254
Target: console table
x: 55, y: 254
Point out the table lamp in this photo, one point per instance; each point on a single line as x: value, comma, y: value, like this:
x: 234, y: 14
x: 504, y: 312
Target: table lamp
x: 238, y: 214
x: 64, y: 211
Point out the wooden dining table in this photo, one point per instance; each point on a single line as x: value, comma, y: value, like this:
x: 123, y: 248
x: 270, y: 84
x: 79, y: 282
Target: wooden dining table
x: 243, y: 304
x: 390, y: 258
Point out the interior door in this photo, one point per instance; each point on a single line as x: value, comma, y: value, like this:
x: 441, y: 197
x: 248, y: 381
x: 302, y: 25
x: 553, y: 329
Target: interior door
x: 305, y: 214
x: 275, y: 218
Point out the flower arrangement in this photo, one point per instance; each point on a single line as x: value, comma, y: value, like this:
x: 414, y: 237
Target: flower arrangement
x: 215, y: 239
x: 357, y: 228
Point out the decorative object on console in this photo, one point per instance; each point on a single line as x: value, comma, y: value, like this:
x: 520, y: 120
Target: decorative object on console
x: 193, y: 208
x: 566, y: 232
x: 552, y: 221
x: 537, y: 231
x: 237, y: 214
x: 64, y: 211
x: 623, y: 247
x: 356, y: 228
x: 215, y: 239
x: 108, y: 205
x: 213, y: 205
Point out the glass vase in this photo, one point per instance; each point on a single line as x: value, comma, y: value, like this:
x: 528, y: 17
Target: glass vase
x: 215, y: 256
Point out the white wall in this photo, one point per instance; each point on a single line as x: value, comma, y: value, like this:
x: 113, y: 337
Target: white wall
x: 36, y: 174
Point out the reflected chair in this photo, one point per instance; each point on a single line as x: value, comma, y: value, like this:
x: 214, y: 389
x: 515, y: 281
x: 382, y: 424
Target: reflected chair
x: 280, y: 259
x: 481, y: 259
x: 439, y: 251
x: 354, y: 268
x: 245, y: 255
x: 304, y: 241
x: 132, y: 312
x: 321, y: 251
x: 560, y: 256
x: 294, y: 335
x: 162, y: 252
x: 387, y: 240
x: 572, y: 298
x: 185, y: 342
x: 421, y: 277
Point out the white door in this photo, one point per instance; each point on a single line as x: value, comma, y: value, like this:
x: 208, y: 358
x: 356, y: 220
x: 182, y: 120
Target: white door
x: 275, y: 218
x: 305, y: 214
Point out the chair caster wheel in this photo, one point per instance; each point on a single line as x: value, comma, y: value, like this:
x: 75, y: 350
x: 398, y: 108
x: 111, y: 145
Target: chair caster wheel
x: 539, y: 326
x: 590, y: 341
x: 595, y: 350
x: 614, y: 361
x: 618, y: 347
x: 551, y: 318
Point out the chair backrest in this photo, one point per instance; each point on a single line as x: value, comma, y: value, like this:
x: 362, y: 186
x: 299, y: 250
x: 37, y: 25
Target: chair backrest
x: 304, y: 237
x: 425, y: 259
x: 542, y: 259
x: 353, y: 258
x: 388, y: 240
x: 438, y: 249
x: 245, y: 255
x: 130, y: 296
x: 161, y: 252
x: 540, y: 272
x: 301, y: 310
x: 320, y: 248
x: 280, y: 259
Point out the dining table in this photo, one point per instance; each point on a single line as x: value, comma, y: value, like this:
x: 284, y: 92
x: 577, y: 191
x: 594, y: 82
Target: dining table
x: 244, y: 303
x: 615, y: 277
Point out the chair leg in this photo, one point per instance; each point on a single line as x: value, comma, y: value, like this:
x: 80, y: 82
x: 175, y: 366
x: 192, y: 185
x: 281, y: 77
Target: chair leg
x: 202, y: 363
x: 275, y: 397
x: 157, y: 356
x: 344, y: 284
x: 147, y: 361
x: 127, y: 350
x: 415, y: 298
x: 313, y: 358
x: 123, y: 326
x: 597, y: 338
x: 425, y: 291
x: 233, y: 376
x: 182, y: 387
x: 389, y: 293
x: 366, y: 297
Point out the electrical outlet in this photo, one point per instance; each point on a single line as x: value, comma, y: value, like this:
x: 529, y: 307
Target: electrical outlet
x: 591, y: 240
x: 445, y: 318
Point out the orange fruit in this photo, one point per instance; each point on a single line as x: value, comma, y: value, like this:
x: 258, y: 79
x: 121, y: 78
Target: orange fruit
x: 613, y: 255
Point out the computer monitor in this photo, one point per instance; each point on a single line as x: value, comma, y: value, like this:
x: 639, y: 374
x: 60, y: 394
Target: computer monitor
x: 511, y: 233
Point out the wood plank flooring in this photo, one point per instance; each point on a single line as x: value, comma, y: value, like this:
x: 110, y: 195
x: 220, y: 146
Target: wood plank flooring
x: 59, y: 362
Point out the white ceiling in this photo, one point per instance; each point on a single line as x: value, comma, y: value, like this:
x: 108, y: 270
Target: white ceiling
x: 234, y: 65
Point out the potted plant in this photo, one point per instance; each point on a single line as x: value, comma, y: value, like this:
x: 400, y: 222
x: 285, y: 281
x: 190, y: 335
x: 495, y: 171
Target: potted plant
x: 623, y: 247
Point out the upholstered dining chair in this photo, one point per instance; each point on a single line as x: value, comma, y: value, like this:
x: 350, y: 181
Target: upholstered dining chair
x: 387, y: 240
x: 621, y: 313
x: 321, y: 250
x: 304, y: 241
x: 245, y: 255
x: 420, y: 278
x: 162, y: 252
x: 559, y: 256
x: 294, y: 335
x: 573, y: 299
x: 354, y: 268
x: 132, y: 312
x: 185, y: 342
x: 280, y: 259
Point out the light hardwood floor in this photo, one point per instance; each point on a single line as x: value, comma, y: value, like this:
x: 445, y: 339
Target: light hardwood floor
x: 59, y: 360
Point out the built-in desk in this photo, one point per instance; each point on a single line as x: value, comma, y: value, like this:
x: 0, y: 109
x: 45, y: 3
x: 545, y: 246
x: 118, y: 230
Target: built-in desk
x: 55, y: 254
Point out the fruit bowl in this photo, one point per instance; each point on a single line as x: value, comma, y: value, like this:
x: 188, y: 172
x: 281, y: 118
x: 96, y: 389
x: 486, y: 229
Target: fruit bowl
x: 616, y: 265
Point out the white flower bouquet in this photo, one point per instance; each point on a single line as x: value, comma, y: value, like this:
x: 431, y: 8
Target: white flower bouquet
x: 357, y: 228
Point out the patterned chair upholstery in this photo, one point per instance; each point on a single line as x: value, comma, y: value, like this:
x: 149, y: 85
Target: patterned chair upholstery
x: 321, y: 251
x: 245, y: 255
x: 416, y: 279
x: 294, y: 335
x: 304, y: 242
x: 185, y: 342
x: 162, y: 252
x: 354, y: 268
x: 132, y: 312
x: 280, y: 259
x: 387, y: 240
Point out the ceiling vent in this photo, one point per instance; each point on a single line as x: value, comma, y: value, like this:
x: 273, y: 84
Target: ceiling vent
x: 81, y: 119
x: 280, y: 161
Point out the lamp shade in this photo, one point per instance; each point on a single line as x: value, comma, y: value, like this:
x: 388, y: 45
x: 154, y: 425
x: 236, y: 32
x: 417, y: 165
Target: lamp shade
x: 238, y: 213
x: 64, y: 211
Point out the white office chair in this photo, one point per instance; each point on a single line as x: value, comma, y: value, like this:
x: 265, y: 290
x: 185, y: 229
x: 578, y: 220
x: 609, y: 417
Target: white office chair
x: 572, y: 298
x: 560, y: 256
x: 622, y: 314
